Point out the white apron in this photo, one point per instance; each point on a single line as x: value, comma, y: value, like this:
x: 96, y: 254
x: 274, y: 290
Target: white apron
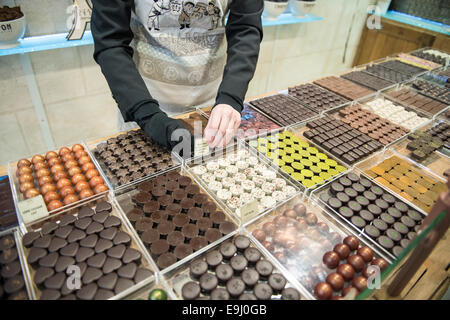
x: 180, y: 51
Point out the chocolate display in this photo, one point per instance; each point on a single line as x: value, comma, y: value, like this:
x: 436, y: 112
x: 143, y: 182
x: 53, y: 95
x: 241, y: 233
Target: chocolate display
x: 440, y: 131
x: 96, y: 243
x: 316, y: 98
x: 240, y: 178
x: 12, y: 282
x: 375, y: 127
x: 432, y: 90
x: 396, y: 114
x: 174, y: 218
x: 254, y: 123
x: 373, y: 211
x: 402, y: 67
x: 367, y: 80
x: 414, y: 99
x: 348, y: 273
x: 422, y: 145
x: 431, y: 55
x: 408, y: 181
x: 61, y: 178
x: 216, y: 277
x: 8, y: 217
x: 343, y: 87
x: 283, y: 109
x: 418, y: 61
x: 298, y: 238
x: 386, y: 73
x: 8, y: 14
x: 340, y: 139
x: 132, y: 156
x: 297, y: 158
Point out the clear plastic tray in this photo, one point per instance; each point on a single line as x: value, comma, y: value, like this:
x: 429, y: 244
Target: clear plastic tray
x: 24, y: 268
x: 297, y: 130
x: 361, y: 232
x: 303, y: 249
x: 144, y: 288
x: 437, y: 161
x: 124, y: 200
x: 135, y: 244
x: 247, y: 152
x: 111, y: 179
x: 179, y: 276
x: 18, y: 196
x: 366, y: 165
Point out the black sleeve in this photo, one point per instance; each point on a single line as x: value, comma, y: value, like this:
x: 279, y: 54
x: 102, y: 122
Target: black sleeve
x: 244, y: 34
x: 110, y: 26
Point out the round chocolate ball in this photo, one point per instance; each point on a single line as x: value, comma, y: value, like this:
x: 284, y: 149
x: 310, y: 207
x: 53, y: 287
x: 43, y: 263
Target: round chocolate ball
x: 269, y: 228
x: 352, y: 242
x: 300, y: 209
x: 289, y: 213
x: 311, y: 219
x: 360, y: 283
x: 336, y: 281
x: 342, y: 250
x: 366, y: 253
x: 357, y: 262
x: 346, y: 271
x: 259, y: 234
x: 323, y: 291
x: 331, y: 259
x: 347, y: 290
x: 380, y: 262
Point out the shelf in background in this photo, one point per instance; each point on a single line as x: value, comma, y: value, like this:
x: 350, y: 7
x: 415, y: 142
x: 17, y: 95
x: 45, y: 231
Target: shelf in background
x: 58, y: 41
x: 417, y: 22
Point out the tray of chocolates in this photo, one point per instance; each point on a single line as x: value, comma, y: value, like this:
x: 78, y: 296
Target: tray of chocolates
x: 253, y: 123
x: 367, y: 80
x: 432, y: 90
x: 433, y: 55
x: 173, y: 217
x: 343, y: 87
x: 409, y: 97
x: 130, y: 157
x: 64, y: 178
x: 386, y: 73
x: 8, y: 216
x: 371, y: 210
x: 298, y: 234
x: 403, y: 67
x: 404, y: 177
x: 283, y: 109
x: 441, y: 130
x: 340, y: 139
x: 418, y: 61
x: 87, y: 253
x: 14, y: 283
x: 371, y: 124
x: 317, y: 98
x: 236, y: 269
x: 302, y: 162
x: 405, y: 116
x: 241, y: 181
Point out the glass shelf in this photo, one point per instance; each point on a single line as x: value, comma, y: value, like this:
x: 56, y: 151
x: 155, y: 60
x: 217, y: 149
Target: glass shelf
x: 57, y: 41
x: 417, y: 22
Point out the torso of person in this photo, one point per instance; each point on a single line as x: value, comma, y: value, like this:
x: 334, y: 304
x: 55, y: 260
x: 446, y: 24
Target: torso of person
x: 180, y: 50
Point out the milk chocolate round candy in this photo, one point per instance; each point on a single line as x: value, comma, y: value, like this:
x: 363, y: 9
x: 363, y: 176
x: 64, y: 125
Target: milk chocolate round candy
x: 24, y: 187
x: 360, y: 283
x: 342, y: 250
x: 300, y: 209
x: 259, y: 234
x: 26, y: 178
x: 323, y: 291
x: 381, y: 263
x: 352, y: 242
x: 366, y: 253
x: 31, y: 193
x: 331, y: 259
x: 346, y: 271
x: 347, y: 290
x: 37, y: 158
x: 54, y: 204
x: 23, y: 163
x: 336, y: 281
x: 53, y: 161
x: 47, y: 188
x: 289, y: 213
x: 357, y: 262
x: 59, y: 175
x: 87, y: 166
x: 100, y: 188
x: 95, y: 181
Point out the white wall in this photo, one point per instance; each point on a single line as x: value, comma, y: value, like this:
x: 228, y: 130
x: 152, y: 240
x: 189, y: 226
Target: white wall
x: 78, y: 101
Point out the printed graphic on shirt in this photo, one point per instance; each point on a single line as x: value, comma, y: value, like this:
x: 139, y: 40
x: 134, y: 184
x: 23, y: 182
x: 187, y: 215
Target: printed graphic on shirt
x: 184, y: 14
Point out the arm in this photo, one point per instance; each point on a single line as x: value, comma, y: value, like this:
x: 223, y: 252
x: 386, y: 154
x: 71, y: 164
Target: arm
x: 244, y: 34
x: 110, y: 25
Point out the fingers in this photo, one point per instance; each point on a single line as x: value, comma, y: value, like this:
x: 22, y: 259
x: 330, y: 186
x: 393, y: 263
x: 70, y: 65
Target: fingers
x: 222, y: 131
x: 212, y: 127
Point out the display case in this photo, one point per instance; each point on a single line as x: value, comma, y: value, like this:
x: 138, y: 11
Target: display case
x: 236, y: 269
x: 57, y: 177
x: 241, y: 181
x: 174, y: 217
x: 413, y: 182
x: 84, y: 253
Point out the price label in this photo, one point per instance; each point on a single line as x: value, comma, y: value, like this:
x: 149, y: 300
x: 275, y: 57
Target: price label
x: 249, y: 210
x: 33, y: 209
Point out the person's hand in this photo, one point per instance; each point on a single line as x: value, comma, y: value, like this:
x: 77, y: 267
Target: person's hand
x: 222, y: 125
